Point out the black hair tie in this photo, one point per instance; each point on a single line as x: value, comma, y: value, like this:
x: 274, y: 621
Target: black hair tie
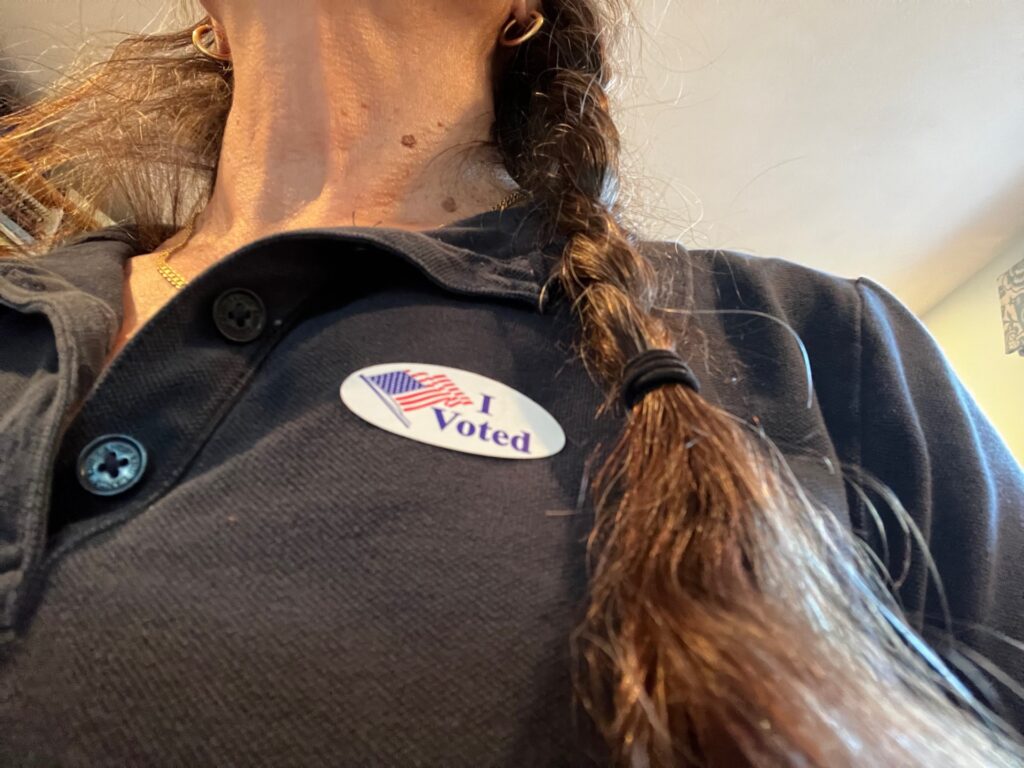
x: 650, y: 370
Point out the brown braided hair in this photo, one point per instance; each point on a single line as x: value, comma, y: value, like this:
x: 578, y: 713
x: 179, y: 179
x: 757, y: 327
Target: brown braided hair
x: 731, y: 621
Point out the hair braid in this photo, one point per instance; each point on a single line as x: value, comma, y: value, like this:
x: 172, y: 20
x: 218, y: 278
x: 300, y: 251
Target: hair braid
x: 730, y: 621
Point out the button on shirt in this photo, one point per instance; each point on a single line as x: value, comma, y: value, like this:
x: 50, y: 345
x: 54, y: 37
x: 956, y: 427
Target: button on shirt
x: 207, y: 559
x: 111, y: 464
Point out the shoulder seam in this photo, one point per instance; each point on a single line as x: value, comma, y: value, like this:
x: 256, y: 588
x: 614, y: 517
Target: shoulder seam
x: 859, y: 450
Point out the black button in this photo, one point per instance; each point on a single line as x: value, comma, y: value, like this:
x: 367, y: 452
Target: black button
x: 111, y: 464
x: 239, y: 314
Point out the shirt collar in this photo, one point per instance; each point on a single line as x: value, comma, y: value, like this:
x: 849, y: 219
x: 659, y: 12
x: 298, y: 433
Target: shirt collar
x: 496, y: 253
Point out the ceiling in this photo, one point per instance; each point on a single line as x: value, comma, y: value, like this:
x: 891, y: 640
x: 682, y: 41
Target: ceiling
x: 881, y: 138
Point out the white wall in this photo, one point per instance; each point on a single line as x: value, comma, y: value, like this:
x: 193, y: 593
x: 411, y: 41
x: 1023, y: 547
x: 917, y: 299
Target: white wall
x: 40, y: 38
x: 968, y: 325
x: 863, y: 138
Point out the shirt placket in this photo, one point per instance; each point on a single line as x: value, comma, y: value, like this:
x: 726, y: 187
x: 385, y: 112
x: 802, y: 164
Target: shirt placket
x: 153, y: 409
x: 151, y: 412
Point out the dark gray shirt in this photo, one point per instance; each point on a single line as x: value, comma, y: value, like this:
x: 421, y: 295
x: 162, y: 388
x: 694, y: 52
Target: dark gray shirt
x: 288, y: 584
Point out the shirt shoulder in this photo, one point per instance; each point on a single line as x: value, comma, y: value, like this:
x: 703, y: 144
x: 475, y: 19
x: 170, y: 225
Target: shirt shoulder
x: 92, y: 263
x: 734, y: 276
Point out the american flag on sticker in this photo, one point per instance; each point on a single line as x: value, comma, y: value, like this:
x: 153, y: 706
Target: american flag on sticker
x: 403, y: 391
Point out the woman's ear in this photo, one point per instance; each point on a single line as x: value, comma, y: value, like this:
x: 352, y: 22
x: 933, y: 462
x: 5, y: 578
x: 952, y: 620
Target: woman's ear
x: 223, y: 46
x: 522, y: 9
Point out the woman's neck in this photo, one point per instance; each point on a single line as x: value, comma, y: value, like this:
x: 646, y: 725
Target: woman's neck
x: 349, y: 119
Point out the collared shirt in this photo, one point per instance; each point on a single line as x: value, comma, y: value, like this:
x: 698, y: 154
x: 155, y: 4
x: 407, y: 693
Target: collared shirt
x: 288, y: 584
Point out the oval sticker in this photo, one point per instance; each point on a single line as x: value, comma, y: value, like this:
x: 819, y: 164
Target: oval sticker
x: 454, y: 409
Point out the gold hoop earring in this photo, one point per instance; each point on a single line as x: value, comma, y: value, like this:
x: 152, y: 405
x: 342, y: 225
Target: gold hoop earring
x: 197, y: 41
x: 535, y: 25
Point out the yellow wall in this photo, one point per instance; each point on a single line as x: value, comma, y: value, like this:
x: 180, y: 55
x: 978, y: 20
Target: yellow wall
x: 968, y: 326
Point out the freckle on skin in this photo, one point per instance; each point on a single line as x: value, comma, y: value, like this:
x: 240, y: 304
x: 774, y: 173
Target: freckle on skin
x: 440, y: 124
x: 450, y: 205
x: 409, y: 140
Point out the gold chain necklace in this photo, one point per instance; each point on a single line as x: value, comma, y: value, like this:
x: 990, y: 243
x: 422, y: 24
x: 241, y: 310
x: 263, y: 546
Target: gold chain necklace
x: 179, y: 281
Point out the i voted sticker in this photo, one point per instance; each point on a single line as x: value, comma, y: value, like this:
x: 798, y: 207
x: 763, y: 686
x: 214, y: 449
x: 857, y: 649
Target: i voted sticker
x: 454, y: 409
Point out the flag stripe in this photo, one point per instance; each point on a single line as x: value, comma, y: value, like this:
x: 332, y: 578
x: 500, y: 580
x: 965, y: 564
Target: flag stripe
x: 413, y: 391
x: 437, y: 389
x: 428, y: 392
